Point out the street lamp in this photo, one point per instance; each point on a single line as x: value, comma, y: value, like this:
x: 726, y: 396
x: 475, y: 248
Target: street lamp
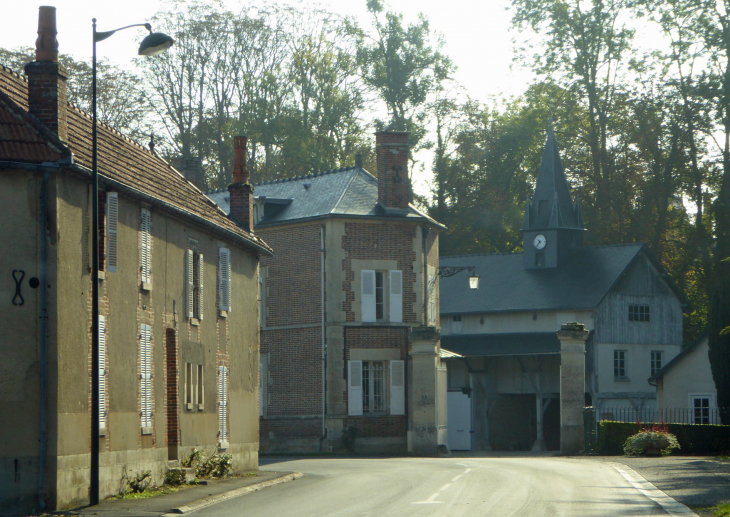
x: 151, y: 45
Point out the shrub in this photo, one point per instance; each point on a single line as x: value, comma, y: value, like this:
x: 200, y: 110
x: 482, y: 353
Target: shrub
x: 175, y: 477
x: 695, y: 439
x: 216, y: 466
x: 349, y: 434
x: 137, y: 483
x: 649, y: 442
x: 193, y: 459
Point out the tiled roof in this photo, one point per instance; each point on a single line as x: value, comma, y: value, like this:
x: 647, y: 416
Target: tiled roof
x: 494, y: 345
x: 349, y: 191
x: 504, y: 285
x: 119, y: 159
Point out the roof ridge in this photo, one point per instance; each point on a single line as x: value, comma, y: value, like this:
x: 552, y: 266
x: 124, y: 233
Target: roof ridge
x: 622, y: 244
x: 305, y: 176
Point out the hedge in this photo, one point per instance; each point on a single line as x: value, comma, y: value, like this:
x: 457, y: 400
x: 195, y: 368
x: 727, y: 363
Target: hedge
x: 694, y: 439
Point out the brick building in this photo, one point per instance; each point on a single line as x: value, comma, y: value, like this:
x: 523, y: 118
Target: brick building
x: 343, y: 336
x: 178, y: 304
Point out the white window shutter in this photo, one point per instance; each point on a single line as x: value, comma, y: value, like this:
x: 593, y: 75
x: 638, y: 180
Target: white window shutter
x: 397, y: 388
x: 223, y: 403
x: 367, y: 295
x: 354, y: 388
x: 224, y: 279
x: 200, y: 286
x: 396, y: 296
x: 190, y: 308
x: 146, y: 245
x: 102, y: 372
x: 145, y: 374
x: 112, y: 222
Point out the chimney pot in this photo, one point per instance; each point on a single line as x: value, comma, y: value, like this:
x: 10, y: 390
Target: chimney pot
x: 46, y: 46
x: 241, y: 191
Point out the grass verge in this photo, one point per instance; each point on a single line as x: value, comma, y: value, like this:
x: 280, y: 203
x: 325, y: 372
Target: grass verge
x: 722, y: 510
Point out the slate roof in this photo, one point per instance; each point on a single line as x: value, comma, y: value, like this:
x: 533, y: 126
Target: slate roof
x: 494, y: 345
x: 122, y: 163
x: 349, y: 191
x: 580, y: 283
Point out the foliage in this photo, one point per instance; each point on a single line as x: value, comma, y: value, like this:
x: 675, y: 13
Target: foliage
x: 694, y: 439
x: 137, y: 483
x: 152, y: 492
x: 193, y: 459
x: 722, y: 510
x: 175, y: 477
x: 349, y: 435
x: 649, y: 440
x: 215, y: 466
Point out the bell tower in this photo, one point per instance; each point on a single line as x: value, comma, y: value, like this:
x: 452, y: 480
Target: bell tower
x: 553, y: 224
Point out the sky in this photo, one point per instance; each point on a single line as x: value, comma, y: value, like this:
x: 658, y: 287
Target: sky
x: 476, y: 35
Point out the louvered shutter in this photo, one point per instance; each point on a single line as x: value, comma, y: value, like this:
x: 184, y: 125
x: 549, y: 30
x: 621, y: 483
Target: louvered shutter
x: 200, y: 286
x: 112, y: 222
x: 145, y: 374
x: 397, y: 388
x: 102, y: 372
x: 396, y: 296
x: 367, y: 295
x: 190, y: 305
x: 224, y: 279
x: 223, y: 403
x: 354, y: 388
x: 146, y: 245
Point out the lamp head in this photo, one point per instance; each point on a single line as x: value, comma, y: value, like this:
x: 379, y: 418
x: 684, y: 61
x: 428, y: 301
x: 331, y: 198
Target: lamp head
x: 474, y: 281
x: 155, y: 43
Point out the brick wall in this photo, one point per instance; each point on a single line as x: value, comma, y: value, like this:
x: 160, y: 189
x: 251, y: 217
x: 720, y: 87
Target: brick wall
x: 378, y: 427
x: 295, y: 274
x: 282, y: 429
x: 394, y: 186
x: 381, y: 241
x: 295, y: 370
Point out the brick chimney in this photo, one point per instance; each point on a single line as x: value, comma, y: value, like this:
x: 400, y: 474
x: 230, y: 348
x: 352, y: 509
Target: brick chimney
x: 394, y: 186
x: 47, y: 78
x: 241, y: 190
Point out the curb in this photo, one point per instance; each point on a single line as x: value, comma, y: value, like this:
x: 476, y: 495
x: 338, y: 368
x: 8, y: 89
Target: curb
x: 218, y: 498
x: 669, y: 504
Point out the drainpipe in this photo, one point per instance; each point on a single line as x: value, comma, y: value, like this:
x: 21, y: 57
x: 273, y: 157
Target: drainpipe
x: 425, y: 229
x: 324, y: 341
x: 42, y: 431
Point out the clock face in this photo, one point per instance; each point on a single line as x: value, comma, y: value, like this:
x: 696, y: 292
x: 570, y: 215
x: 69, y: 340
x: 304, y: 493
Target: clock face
x: 539, y: 242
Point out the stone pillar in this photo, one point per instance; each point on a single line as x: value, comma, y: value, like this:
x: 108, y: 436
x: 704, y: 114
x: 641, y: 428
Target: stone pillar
x: 572, y: 338
x: 423, y: 393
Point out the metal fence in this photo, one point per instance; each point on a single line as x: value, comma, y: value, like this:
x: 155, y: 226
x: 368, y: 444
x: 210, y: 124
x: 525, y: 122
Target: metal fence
x: 680, y: 415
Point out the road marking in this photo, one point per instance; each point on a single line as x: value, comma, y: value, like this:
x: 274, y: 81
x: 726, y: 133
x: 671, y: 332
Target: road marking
x: 447, y: 485
x: 430, y: 500
x: 461, y: 465
x: 671, y: 506
x: 456, y: 478
x: 467, y: 471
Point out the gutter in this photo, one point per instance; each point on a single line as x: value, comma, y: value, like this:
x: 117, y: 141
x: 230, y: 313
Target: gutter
x: 324, y: 340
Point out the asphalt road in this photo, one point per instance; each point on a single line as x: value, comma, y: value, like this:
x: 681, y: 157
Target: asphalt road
x: 521, y: 486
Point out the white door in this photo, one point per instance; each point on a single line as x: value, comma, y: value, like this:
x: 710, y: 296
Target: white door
x: 459, y: 421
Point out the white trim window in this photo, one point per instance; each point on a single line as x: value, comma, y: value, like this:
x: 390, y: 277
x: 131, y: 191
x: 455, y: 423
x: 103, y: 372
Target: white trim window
x: 619, y: 364
x: 656, y: 361
x: 375, y: 305
x: 376, y: 388
x: 224, y: 279
x: 701, y: 405
x: 223, y: 406
x: 145, y: 248
x: 145, y: 376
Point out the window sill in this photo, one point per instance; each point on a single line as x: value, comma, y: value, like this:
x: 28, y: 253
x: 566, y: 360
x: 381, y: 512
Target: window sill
x: 189, y: 406
x: 194, y: 322
x: 223, y: 445
x: 621, y: 379
x: 102, y: 275
x: 200, y: 407
x: 147, y: 430
x: 146, y: 286
x: 223, y: 314
x: 102, y: 431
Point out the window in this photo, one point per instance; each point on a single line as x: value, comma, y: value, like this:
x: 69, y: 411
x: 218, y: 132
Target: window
x: 194, y: 273
x: 656, y: 361
x: 189, y: 386
x: 145, y: 250
x: 701, y: 408
x: 223, y: 406
x: 619, y: 364
x: 639, y: 313
x: 224, y: 279
x: 539, y: 259
x: 102, y: 373
x: 111, y: 229
x: 381, y: 295
x: 145, y: 377
x: 456, y: 324
x: 199, y: 389
x: 432, y: 299
x: 368, y: 387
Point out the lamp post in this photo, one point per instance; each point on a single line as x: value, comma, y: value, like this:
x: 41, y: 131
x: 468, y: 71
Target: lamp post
x: 445, y: 272
x: 151, y: 45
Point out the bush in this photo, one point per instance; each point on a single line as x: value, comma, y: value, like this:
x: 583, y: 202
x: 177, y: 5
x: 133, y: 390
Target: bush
x: 137, y: 483
x: 193, y: 459
x: 215, y: 466
x: 650, y: 442
x: 175, y: 477
x: 695, y: 439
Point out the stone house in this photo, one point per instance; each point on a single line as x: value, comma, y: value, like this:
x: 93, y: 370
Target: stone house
x: 505, y: 389
x: 346, y: 338
x: 178, y: 305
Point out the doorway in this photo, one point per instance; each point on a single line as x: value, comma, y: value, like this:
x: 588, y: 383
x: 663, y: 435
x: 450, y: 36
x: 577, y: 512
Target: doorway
x: 172, y: 389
